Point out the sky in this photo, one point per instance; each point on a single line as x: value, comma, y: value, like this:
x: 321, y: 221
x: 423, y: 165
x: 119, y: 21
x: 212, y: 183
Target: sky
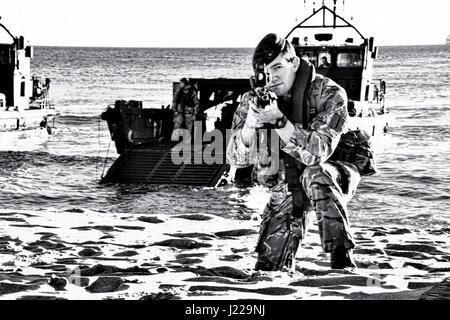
x: 211, y: 23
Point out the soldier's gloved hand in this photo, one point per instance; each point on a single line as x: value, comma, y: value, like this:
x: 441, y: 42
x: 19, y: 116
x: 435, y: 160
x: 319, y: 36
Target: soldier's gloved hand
x: 269, y: 114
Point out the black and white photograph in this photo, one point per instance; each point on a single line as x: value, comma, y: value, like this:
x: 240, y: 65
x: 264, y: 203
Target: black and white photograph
x: 240, y: 151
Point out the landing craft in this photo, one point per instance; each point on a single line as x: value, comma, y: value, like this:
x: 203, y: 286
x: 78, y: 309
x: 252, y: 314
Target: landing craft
x: 24, y: 99
x: 337, y: 49
x: 143, y: 137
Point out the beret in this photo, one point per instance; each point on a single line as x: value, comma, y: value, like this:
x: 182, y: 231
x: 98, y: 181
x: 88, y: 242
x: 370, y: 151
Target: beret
x: 268, y: 49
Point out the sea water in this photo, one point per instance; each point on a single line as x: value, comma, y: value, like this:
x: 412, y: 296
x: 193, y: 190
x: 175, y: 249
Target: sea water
x: 411, y: 188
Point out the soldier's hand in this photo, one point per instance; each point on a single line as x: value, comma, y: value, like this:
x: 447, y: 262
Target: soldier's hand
x: 252, y: 121
x: 248, y: 132
x: 269, y: 114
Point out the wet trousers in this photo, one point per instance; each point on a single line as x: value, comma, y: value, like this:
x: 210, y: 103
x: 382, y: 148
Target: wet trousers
x: 327, y: 189
x: 188, y: 119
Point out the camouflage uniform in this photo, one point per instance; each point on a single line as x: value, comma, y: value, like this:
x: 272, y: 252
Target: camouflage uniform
x: 185, y: 106
x: 327, y: 185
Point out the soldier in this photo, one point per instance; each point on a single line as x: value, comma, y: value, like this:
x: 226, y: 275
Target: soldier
x: 185, y: 105
x: 309, y: 116
x: 324, y: 62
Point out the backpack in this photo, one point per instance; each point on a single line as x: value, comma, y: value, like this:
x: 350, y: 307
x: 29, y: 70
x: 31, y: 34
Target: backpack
x: 355, y: 147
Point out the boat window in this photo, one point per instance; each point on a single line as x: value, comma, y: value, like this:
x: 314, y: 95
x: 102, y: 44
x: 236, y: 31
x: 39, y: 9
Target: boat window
x: 4, y: 56
x: 22, y: 89
x: 324, y: 60
x: 310, y: 56
x: 349, y: 59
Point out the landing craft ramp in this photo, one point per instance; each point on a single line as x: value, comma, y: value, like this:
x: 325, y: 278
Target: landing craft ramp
x: 154, y: 165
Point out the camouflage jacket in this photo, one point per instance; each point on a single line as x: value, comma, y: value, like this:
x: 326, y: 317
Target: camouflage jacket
x: 309, y: 146
x: 185, y: 100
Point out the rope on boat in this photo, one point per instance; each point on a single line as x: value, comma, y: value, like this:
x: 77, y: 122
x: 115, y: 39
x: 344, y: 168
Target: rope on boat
x: 99, y: 148
x: 106, y: 159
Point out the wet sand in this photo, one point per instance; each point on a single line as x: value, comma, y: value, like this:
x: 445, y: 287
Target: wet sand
x: 81, y: 254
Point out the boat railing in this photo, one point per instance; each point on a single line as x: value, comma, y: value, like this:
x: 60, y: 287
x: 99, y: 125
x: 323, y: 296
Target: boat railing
x: 43, y: 103
x: 324, y: 9
x: 379, y: 91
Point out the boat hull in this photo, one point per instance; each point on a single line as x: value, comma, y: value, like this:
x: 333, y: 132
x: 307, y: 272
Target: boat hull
x: 26, y: 120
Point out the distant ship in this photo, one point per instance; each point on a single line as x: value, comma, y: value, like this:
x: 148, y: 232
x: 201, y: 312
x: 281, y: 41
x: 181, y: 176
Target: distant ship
x: 448, y: 40
x: 24, y: 99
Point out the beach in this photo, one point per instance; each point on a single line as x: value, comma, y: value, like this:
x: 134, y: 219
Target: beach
x: 84, y: 254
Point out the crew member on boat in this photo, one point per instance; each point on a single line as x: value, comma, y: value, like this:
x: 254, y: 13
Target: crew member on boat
x: 185, y: 105
x: 324, y: 62
x: 309, y: 115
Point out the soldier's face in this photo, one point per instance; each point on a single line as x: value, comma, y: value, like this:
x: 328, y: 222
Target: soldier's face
x: 282, y: 75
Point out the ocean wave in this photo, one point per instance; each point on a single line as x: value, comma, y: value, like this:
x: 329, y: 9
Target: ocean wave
x: 14, y: 159
x: 76, y: 119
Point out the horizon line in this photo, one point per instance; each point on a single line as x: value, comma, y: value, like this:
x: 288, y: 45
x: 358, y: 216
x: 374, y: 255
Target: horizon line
x: 202, y: 47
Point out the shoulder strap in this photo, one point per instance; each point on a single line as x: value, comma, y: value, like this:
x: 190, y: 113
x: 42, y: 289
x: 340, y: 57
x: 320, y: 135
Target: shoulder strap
x: 299, y: 112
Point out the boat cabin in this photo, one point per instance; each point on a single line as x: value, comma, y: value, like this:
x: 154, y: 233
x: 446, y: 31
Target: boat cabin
x: 343, y: 65
x: 343, y: 54
x: 18, y: 89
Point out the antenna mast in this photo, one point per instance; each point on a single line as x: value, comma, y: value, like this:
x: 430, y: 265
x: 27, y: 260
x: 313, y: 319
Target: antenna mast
x: 323, y: 15
x: 304, y: 9
x: 334, y: 14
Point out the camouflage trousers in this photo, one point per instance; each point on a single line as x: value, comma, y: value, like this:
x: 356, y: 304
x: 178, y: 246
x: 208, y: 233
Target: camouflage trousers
x: 327, y: 188
x: 188, y: 119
